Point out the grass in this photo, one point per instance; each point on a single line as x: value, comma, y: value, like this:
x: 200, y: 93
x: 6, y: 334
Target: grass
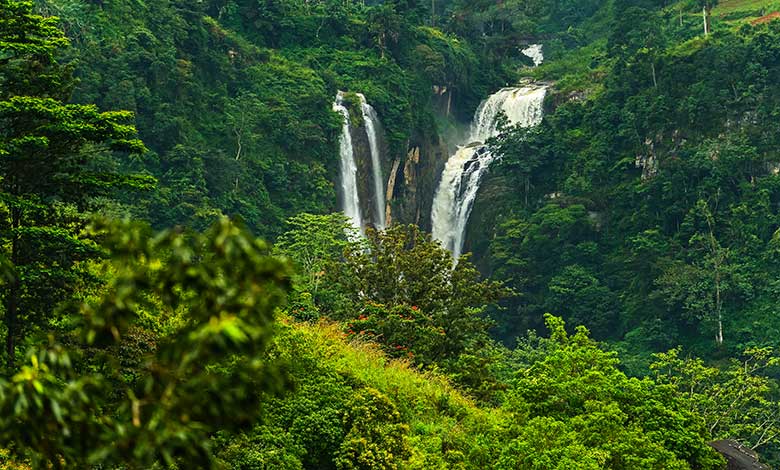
x: 365, y: 362
x: 727, y: 7
x: 436, y: 412
x: 735, y: 13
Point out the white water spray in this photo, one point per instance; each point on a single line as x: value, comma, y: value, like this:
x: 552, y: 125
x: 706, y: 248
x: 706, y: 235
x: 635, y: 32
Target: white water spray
x: 464, y: 171
x: 350, y: 201
x: 350, y: 186
x: 534, y: 51
x: 371, y: 120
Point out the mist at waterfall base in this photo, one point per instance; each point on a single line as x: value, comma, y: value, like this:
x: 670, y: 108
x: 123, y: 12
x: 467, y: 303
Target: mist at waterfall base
x: 350, y: 194
x: 464, y: 171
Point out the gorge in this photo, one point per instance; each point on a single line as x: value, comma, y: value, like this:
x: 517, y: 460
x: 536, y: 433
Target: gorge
x: 454, y: 197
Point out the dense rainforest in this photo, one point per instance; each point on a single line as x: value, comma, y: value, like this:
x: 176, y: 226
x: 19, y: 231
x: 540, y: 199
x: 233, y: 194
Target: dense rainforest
x: 338, y: 234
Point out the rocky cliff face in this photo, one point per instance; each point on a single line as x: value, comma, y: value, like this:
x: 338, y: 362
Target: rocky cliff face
x: 410, y: 174
x: 413, y: 179
x: 362, y: 151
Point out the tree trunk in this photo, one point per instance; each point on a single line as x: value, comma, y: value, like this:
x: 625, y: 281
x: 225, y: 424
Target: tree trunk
x: 719, y: 308
x: 655, y: 81
x: 238, y: 133
x: 719, y: 258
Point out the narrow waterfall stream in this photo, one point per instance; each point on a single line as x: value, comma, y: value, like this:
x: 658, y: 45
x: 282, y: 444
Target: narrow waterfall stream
x: 534, y: 51
x: 465, y: 170
x: 371, y: 122
x: 350, y: 184
x: 350, y: 201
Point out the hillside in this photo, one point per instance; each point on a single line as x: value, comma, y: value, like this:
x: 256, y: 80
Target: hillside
x: 349, y: 235
x: 408, y: 419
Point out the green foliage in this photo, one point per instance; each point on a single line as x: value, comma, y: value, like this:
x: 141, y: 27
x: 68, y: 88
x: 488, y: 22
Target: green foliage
x: 316, y: 244
x: 578, y: 295
x: 737, y: 401
x: 568, y: 406
x: 398, y: 288
x: 405, y: 331
x: 645, y: 206
x: 376, y: 437
x: 29, y: 44
x: 54, y: 158
x: 268, y: 448
x: 227, y: 288
x: 233, y: 97
x: 353, y: 407
x: 579, y: 410
x: 403, y: 277
x: 671, y: 172
x: 549, y: 259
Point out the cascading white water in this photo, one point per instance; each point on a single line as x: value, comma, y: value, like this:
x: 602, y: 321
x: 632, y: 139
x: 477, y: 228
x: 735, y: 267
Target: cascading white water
x: 350, y: 189
x: 350, y: 201
x: 371, y: 120
x: 534, y: 51
x: 464, y: 171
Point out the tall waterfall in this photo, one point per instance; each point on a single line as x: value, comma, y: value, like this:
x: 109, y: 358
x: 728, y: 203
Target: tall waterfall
x: 350, y: 201
x: 464, y: 170
x: 371, y: 120
x: 351, y: 185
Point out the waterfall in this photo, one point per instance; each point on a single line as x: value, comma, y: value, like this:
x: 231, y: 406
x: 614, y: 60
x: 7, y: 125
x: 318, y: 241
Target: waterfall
x: 350, y: 201
x: 534, y: 51
x: 371, y: 121
x: 351, y: 186
x: 464, y: 170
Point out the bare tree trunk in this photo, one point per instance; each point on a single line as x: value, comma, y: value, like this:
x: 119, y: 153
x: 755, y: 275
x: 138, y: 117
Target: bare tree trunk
x: 718, y: 307
x: 655, y: 81
x: 718, y: 261
x: 238, y: 133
